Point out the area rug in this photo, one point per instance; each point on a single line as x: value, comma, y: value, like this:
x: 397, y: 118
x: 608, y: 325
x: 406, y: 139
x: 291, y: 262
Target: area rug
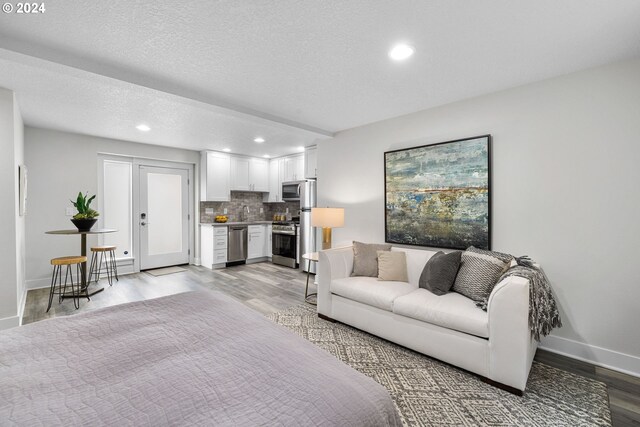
x: 428, y: 392
x: 165, y: 271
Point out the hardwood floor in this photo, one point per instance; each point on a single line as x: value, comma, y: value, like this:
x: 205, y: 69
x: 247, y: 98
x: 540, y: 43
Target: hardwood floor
x: 267, y: 288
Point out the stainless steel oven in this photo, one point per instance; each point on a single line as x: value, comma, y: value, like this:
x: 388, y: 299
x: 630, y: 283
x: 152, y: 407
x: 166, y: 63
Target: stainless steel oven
x: 284, y: 244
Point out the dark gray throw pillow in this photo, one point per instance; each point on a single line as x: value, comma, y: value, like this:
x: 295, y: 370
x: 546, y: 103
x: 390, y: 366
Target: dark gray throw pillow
x: 365, y: 258
x: 440, y: 271
x: 479, y: 272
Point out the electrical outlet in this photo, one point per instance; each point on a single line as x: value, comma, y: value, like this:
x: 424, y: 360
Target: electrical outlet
x: 261, y: 210
x: 287, y: 210
x: 69, y: 212
x: 225, y: 211
x: 208, y: 211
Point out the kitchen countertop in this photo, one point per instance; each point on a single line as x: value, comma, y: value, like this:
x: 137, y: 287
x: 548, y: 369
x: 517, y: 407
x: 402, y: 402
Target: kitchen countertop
x: 215, y: 224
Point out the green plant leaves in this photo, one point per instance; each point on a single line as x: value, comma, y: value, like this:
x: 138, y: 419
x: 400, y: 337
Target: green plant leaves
x: 82, y: 205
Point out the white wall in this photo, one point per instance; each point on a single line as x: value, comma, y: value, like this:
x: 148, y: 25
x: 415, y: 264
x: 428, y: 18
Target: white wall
x: 61, y: 164
x: 12, y: 228
x: 566, y: 171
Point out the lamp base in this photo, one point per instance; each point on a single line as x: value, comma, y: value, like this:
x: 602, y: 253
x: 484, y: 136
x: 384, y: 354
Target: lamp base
x: 326, y: 238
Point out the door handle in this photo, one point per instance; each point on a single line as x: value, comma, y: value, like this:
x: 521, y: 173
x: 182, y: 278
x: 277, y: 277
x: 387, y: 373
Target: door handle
x: 143, y: 223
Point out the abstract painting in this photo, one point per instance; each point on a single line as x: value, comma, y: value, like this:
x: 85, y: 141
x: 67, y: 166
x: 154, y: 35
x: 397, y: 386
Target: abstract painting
x: 439, y: 195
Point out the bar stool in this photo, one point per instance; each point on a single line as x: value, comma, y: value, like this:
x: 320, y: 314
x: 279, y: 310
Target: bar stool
x: 56, y: 279
x: 106, y: 255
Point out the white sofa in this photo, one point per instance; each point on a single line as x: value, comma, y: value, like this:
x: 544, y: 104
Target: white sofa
x: 495, y: 344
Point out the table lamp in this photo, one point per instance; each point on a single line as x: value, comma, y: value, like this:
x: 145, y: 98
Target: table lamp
x: 327, y: 218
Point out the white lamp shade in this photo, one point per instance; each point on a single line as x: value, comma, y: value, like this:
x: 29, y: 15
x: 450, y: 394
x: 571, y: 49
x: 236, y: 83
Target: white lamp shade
x: 327, y: 217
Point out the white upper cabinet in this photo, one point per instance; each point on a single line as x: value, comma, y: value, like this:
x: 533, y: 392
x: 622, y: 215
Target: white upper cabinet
x: 311, y: 162
x: 214, y: 177
x: 259, y: 175
x: 293, y: 168
x: 249, y: 174
x: 275, y: 182
x: 240, y: 174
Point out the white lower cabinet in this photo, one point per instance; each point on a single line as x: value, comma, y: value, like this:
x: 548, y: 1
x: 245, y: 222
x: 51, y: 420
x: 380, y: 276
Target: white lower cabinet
x: 206, y: 245
x: 269, y: 249
x: 256, y: 244
x: 220, y: 234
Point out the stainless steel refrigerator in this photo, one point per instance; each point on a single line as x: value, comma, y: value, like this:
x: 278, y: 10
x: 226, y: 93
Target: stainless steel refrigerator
x: 307, y: 232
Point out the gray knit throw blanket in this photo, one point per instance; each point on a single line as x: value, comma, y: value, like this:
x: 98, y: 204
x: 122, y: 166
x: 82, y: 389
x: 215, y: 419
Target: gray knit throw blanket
x: 543, y: 311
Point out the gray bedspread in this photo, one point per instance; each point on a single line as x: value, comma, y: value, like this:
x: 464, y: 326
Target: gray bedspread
x: 198, y: 358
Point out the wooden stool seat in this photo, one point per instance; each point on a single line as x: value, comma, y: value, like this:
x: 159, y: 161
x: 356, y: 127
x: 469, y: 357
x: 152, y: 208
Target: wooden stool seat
x: 68, y: 260
x: 106, y: 255
x: 57, y: 288
x: 102, y: 248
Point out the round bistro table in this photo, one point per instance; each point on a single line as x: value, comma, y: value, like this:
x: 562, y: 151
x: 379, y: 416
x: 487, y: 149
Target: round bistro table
x: 83, y: 252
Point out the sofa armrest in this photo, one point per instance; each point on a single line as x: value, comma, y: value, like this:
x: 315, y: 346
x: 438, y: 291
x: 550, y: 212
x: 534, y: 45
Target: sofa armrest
x: 510, y: 342
x: 332, y: 264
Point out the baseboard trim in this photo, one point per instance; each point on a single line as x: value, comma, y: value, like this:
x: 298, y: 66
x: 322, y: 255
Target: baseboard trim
x: 9, y: 322
x: 45, y: 282
x: 616, y: 361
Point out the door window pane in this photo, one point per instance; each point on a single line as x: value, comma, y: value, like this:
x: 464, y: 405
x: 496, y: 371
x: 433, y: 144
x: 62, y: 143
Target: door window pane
x: 164, y: 215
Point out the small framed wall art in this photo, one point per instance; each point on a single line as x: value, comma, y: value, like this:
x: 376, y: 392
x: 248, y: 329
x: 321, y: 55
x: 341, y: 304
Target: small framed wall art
x: 439, y: 195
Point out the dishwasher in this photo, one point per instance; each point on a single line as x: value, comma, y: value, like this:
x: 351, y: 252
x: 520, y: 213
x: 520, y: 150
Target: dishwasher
x: 237, y: 245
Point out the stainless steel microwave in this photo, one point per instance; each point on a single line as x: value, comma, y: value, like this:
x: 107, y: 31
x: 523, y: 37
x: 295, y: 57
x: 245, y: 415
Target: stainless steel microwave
x: 291, y: 191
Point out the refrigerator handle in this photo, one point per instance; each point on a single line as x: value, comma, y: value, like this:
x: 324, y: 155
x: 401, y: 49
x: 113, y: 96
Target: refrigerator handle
x: 298, y: 190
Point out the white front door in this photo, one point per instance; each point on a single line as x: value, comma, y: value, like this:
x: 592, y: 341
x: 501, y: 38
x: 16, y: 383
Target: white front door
x: 164, y: 217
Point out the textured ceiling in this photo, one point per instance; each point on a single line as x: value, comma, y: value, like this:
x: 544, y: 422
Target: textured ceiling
x: 302, y: 69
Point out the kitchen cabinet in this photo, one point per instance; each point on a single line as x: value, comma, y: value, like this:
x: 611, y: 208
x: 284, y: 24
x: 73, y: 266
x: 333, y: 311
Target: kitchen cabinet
x: 269, y: 241
x: 213, y: 246
x: 293, y: 168
x: 275, y: 181
x: 256, y: 245
x: 214, y: 177
x: 259, y: 175
x: 311, y: 163
x: 249, y: 174
x: 220, y: 235
x: 206, y: 246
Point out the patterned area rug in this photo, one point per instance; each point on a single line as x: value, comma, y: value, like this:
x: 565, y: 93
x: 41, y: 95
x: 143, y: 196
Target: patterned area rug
x: 427, y: 392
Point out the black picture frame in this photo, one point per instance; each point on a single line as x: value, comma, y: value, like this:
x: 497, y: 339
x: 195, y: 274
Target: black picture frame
x: 452, y: 210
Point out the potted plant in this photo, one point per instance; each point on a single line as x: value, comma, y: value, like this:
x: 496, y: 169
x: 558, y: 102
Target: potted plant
x: 86, y: 217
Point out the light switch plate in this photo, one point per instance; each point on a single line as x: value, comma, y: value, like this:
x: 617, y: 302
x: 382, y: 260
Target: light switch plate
x: 225, y: 211
x: 261, y: 210
x: 69, y: 212
x: 208, y: 211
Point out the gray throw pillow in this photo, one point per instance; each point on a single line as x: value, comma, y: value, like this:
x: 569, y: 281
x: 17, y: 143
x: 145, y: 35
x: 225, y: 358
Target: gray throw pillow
x: 479, y: 272
x: 365, y: 258
x: 440, y: 272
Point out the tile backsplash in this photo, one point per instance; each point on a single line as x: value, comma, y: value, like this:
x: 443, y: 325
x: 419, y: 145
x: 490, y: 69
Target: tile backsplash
x: 253, y: 201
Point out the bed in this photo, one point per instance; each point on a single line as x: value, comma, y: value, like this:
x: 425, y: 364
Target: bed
x: 197, y: 358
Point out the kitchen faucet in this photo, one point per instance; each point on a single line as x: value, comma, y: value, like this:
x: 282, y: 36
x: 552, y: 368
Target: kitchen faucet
x: 242, y: 217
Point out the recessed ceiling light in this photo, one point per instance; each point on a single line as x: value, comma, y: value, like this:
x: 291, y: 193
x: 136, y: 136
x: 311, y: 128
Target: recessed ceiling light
x: 401, y: 52
x: 226, y: 150
x: 143, y: 128
x: 259, y: 140
x: 266, y: 156
x: 301, y: 148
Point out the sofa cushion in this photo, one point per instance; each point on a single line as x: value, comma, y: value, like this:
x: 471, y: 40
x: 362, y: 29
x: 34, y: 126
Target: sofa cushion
x: 416, y: 259
x: 440, y: 272
x: 371, y: 291
x: 365, y: 258
x: 452, y: 311
x: 392, y: 266
x: 479, y: 272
